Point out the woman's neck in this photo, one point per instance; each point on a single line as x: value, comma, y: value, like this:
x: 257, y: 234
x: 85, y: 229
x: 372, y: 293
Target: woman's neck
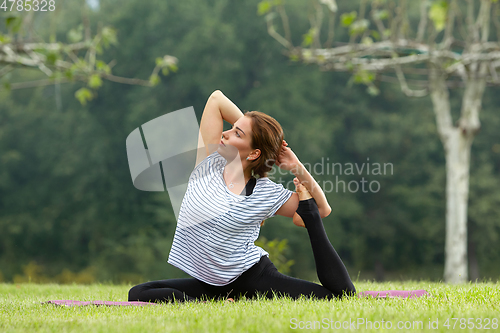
x: 234, y: 172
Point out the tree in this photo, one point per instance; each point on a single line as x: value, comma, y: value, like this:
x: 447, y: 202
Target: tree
x: 77, y: 60
x: 434, y: 47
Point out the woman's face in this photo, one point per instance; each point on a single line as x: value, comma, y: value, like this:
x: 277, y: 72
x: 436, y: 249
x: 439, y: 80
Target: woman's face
x: 238, y: 140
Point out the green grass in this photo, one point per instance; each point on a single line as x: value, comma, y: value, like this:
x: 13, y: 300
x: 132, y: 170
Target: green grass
x: 21, y: 310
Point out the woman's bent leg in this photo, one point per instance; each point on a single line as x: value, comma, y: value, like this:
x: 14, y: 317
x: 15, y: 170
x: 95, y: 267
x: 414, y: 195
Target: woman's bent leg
x: 167, y: 290
x: 330, y: 268
x: 270, y: 282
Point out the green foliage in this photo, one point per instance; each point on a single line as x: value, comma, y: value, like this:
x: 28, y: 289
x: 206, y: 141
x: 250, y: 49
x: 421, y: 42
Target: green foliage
x: 34, y: 273
x: 373, y: 90
x: 166, y: 64
x: 4, y: 39
x: 102, y: 66
x: 381, y: 14
x: 75, y: 35
x: 94, y: 81
x: 264, y: 7
x: 154, y: 79
x: 52, y: 57
x: 84, y: 95
x: 375, y: 34
x: 109, y: 37
x: 367, y: 41
x: 348, y: 18
x: 14, y: 23
x: 437, y: 13
x: 308, y: 37
x: 276, y: 249
x: 365, y: 77
x: 358, y: 27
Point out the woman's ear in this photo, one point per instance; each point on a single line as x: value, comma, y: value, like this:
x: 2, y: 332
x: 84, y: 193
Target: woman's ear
x: 255, y: 154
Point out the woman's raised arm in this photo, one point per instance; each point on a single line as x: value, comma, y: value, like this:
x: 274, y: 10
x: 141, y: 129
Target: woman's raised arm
x: 287, y: 160
x: 217, y: 109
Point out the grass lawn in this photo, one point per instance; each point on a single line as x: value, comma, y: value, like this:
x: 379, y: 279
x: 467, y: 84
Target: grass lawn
x: 21, y: 311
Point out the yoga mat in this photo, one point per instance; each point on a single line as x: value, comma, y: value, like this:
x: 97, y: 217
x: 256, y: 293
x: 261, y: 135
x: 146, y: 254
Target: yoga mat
x: 108, y: 303
x: 394, y: 293
x: 368, y: 293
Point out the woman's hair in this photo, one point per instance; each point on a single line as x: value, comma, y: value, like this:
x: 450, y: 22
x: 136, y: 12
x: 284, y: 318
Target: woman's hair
x: 267, y: 135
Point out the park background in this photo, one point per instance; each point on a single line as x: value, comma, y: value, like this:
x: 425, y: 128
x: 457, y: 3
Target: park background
x: 70, y: 213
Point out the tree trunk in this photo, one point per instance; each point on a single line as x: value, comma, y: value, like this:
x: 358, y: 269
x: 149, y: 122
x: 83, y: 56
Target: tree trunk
x: 457, y: 141
x: 457, y: 192
x: 457, y: 178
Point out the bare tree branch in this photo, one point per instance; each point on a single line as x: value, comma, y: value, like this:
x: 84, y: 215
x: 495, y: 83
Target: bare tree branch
x: 378, y: 22
x: 317, y: 24
x: 270, y: 30
x: 24, y: 47
x: 404, y: 24
x: 450, y: 25
x: 496, y: 15
x: 395, y: 80
x: 40, y: 63
x: 362, y: 9
x: 493, y: 72
x: 404, y: 86
x: 37, y: 83
x: 395, y: 33
x: 439, y: 96
x: 332, y: 13
x: 460, y: 23
x: 472, y: 31
x: 331, y: 29
x: 286, y: 25
x: 483, y: 19
x: 86, y: 21
x: 127, y: 80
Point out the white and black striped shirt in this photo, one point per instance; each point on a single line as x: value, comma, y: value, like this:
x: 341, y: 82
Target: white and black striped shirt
x: 216, y: 229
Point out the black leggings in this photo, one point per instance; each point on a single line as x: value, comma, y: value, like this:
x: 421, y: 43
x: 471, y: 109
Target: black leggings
x: 263, y: 278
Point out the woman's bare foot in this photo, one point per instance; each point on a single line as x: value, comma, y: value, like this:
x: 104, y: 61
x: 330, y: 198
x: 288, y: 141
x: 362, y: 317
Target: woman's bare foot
x: 301, y: 190
x: 303, y: 195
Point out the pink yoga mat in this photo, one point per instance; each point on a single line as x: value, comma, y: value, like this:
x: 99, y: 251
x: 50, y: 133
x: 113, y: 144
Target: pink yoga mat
x: 374, y: 294
x: 109, y: 303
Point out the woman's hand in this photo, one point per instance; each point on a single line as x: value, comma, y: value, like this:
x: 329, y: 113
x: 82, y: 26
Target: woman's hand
x: 287, y: 160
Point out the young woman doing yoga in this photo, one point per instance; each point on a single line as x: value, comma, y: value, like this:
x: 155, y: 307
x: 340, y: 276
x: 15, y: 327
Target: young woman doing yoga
x: 224, y: 206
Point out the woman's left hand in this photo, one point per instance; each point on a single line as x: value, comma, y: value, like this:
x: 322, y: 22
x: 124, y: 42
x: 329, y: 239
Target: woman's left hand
x: 287, y: 160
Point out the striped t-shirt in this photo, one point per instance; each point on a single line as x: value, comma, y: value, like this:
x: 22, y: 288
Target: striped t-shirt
x: 216, y: 229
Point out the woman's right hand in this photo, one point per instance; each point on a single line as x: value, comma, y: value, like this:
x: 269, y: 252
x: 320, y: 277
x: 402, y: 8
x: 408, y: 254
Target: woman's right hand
x: 287, y: 160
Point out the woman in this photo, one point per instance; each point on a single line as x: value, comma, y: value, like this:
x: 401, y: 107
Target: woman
x: 224, y: 206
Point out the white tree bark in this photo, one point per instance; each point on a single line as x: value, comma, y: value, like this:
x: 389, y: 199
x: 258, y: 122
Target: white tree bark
x: 457, y: 154
x: 457, y: 141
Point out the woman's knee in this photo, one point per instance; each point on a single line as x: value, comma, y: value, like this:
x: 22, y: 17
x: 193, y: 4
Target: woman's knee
x: 134, y: 294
